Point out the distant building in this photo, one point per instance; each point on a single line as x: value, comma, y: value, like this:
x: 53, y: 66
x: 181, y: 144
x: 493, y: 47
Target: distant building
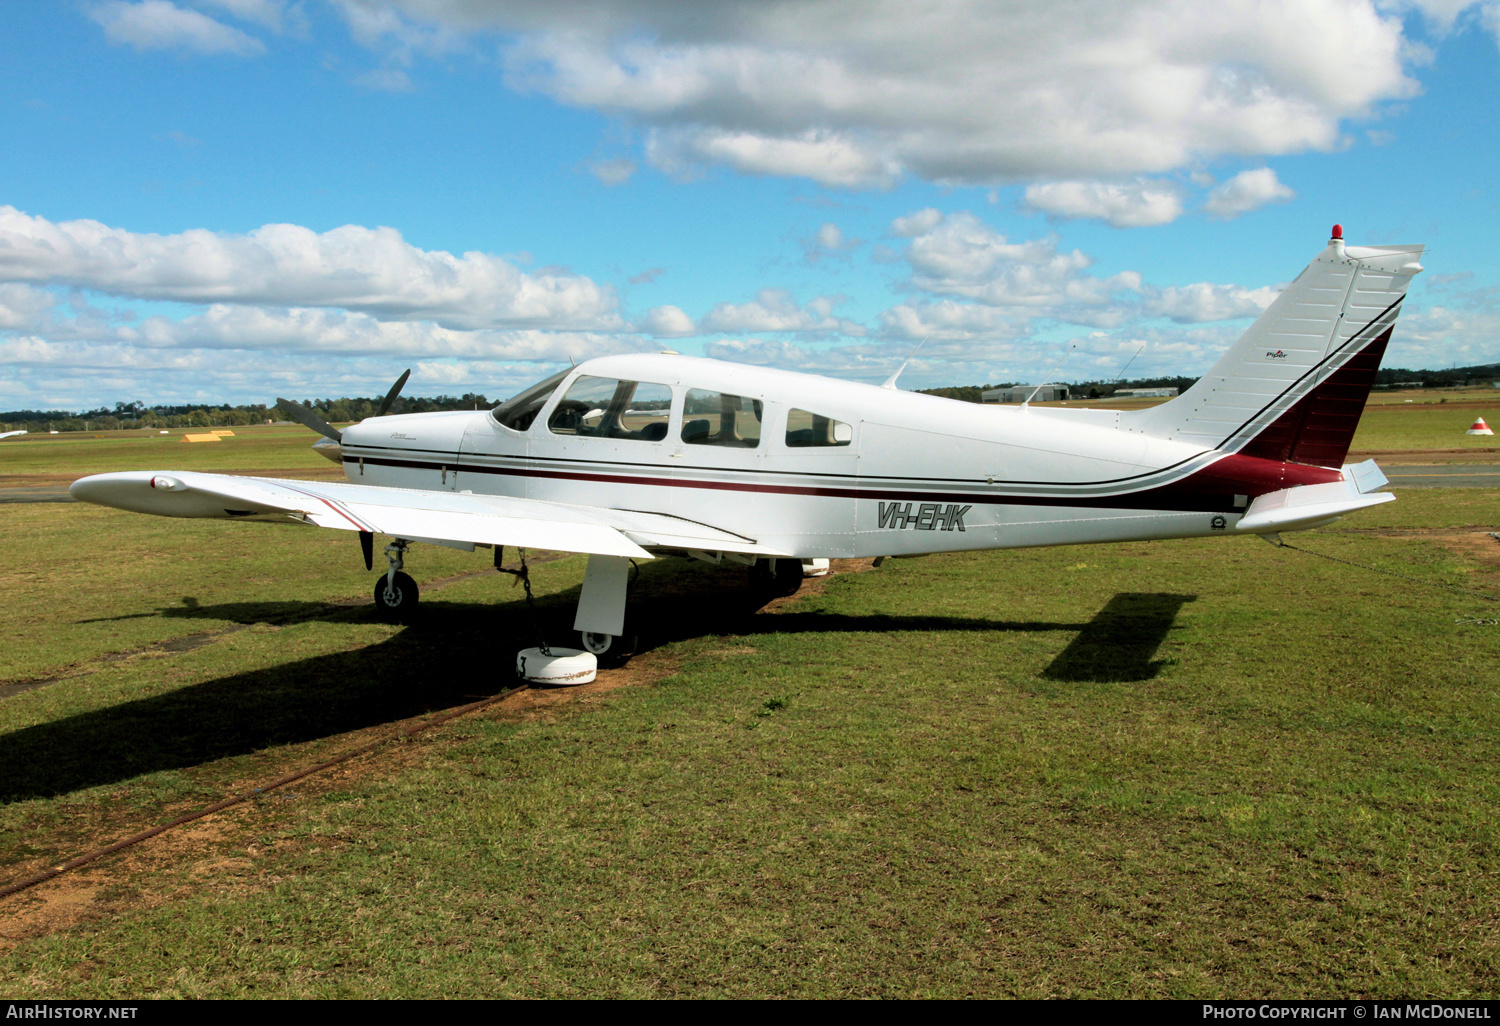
x: 1145, y: 393
x: 1045, y: 394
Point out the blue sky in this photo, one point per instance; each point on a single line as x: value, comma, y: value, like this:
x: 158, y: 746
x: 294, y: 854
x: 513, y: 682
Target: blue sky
x: 482, y: 189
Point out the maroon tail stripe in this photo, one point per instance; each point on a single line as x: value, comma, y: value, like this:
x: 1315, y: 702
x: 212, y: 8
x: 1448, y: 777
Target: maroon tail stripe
x: 1319, y: 428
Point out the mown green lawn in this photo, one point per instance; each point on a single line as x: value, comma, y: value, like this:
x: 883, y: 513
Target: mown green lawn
x: 1189, y: 769
x: 255, y: 447
x: 1424, y: 425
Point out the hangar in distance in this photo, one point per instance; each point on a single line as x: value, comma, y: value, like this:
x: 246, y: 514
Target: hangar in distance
x: 636, y: 457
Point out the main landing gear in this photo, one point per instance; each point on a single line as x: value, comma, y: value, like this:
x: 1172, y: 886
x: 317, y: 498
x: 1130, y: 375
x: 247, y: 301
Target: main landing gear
x: 396, y: 593
x: 776, y: 578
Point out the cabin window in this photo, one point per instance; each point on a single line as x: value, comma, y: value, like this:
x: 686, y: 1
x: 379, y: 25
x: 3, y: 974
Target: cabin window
x: 520, y: 410
x: 806, y: 430
x: 715, y: 418
x: 611, y: 408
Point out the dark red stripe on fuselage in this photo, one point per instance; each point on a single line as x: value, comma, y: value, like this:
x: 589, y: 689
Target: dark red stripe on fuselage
x: 1211, y: 490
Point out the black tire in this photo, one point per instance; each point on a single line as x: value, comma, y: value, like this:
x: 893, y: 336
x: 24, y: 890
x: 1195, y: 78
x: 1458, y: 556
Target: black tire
x: 776, y: 578
x: 611, y: 650
x: 399, y: 604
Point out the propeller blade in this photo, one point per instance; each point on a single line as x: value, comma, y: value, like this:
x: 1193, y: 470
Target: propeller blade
x: 302, y: 415
x: 390, y: 397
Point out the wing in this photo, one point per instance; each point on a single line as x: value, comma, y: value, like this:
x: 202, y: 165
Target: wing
x: 410, y: 513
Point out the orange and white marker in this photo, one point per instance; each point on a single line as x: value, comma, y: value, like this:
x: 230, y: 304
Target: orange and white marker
x: 1479, y: 428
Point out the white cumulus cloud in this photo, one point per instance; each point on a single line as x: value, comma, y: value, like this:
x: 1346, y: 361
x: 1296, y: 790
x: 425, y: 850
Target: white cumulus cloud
x: 860, y: 92
x: 1137, y: 204
x: 919, y: 223
x: 272, y: 14
x: 613, y: 172
x: 22, y: 307
x: 962, y: 256
x: 371, y: 270
x: 1246, y: 191
x: 776, y: 310
x: 1203, y: 301
x: 668, y: 322
x: 161, y: 25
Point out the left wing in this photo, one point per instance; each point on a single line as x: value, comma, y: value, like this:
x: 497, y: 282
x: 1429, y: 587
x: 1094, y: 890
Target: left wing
x: 411, y: 513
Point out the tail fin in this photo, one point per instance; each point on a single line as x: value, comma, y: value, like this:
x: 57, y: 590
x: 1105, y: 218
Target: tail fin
x: 1293, y: 387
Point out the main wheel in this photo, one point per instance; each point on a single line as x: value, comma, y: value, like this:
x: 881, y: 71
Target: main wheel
x: 776, y: 578
x: 611, y: 650
x: 396, y: 602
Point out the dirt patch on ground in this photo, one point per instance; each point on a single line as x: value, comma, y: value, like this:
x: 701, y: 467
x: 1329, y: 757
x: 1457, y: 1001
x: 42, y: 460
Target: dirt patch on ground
x: 1480, y: 546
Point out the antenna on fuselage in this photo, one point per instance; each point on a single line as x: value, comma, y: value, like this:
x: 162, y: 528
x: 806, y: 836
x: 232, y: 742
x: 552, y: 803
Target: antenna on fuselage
x: 890, y: 382
x: 1128, y: 362
x: 1051, y: 372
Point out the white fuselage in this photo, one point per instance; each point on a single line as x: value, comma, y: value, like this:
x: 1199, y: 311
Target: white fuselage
x: 912, y: 474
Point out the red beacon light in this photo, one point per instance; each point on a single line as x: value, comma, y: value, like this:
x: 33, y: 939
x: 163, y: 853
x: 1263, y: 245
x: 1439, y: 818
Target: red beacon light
x: 1338, y: 232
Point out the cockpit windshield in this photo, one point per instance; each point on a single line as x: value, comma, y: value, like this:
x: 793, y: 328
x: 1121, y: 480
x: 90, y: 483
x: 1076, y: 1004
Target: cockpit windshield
x: 520, y: 410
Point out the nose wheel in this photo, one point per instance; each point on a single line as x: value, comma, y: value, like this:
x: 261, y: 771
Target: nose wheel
x: 610, y: 650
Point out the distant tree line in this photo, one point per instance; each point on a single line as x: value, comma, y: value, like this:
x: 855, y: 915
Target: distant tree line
x: 1386, y: 377
x: 1452, y: 377
x: 207, y: 415
x: 347, y: 409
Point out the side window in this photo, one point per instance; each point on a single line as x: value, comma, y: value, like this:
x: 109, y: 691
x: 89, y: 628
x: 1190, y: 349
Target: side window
x: 804, y: 429
x: 645, y: 414
x: 610, y: 408
x: 715, y: 418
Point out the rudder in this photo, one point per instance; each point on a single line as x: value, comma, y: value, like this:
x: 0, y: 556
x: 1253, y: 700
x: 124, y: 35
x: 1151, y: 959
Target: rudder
x: 1293, y: 386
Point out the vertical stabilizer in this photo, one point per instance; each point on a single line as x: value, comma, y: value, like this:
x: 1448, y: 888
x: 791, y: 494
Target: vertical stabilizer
x: 1293, y: 387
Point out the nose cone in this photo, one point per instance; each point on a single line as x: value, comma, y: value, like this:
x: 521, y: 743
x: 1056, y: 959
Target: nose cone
x: 329, y: 449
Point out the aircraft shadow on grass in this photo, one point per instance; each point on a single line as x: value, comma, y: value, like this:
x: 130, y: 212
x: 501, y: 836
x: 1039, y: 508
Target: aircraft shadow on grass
x: 1117, y: 645
x: 455, y: 653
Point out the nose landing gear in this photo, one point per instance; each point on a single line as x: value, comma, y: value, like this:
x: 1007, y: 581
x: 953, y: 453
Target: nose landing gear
x: 600, y: 621
x: 612, y: 650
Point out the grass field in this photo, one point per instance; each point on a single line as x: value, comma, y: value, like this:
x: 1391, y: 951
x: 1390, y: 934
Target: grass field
x: 1393, y: 426
x: 74, y: 454
x: 1187, y: 769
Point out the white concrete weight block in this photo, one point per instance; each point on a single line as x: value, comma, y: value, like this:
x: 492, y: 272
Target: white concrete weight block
x: 564, y: 666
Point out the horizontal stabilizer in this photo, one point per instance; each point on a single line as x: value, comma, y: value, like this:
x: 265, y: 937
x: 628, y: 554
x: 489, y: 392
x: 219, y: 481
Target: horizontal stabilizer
x: 1296, y: 509
x: 1367, y: 476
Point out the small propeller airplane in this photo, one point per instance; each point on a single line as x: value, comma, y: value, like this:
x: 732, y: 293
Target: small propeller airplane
x: 634, y: 457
